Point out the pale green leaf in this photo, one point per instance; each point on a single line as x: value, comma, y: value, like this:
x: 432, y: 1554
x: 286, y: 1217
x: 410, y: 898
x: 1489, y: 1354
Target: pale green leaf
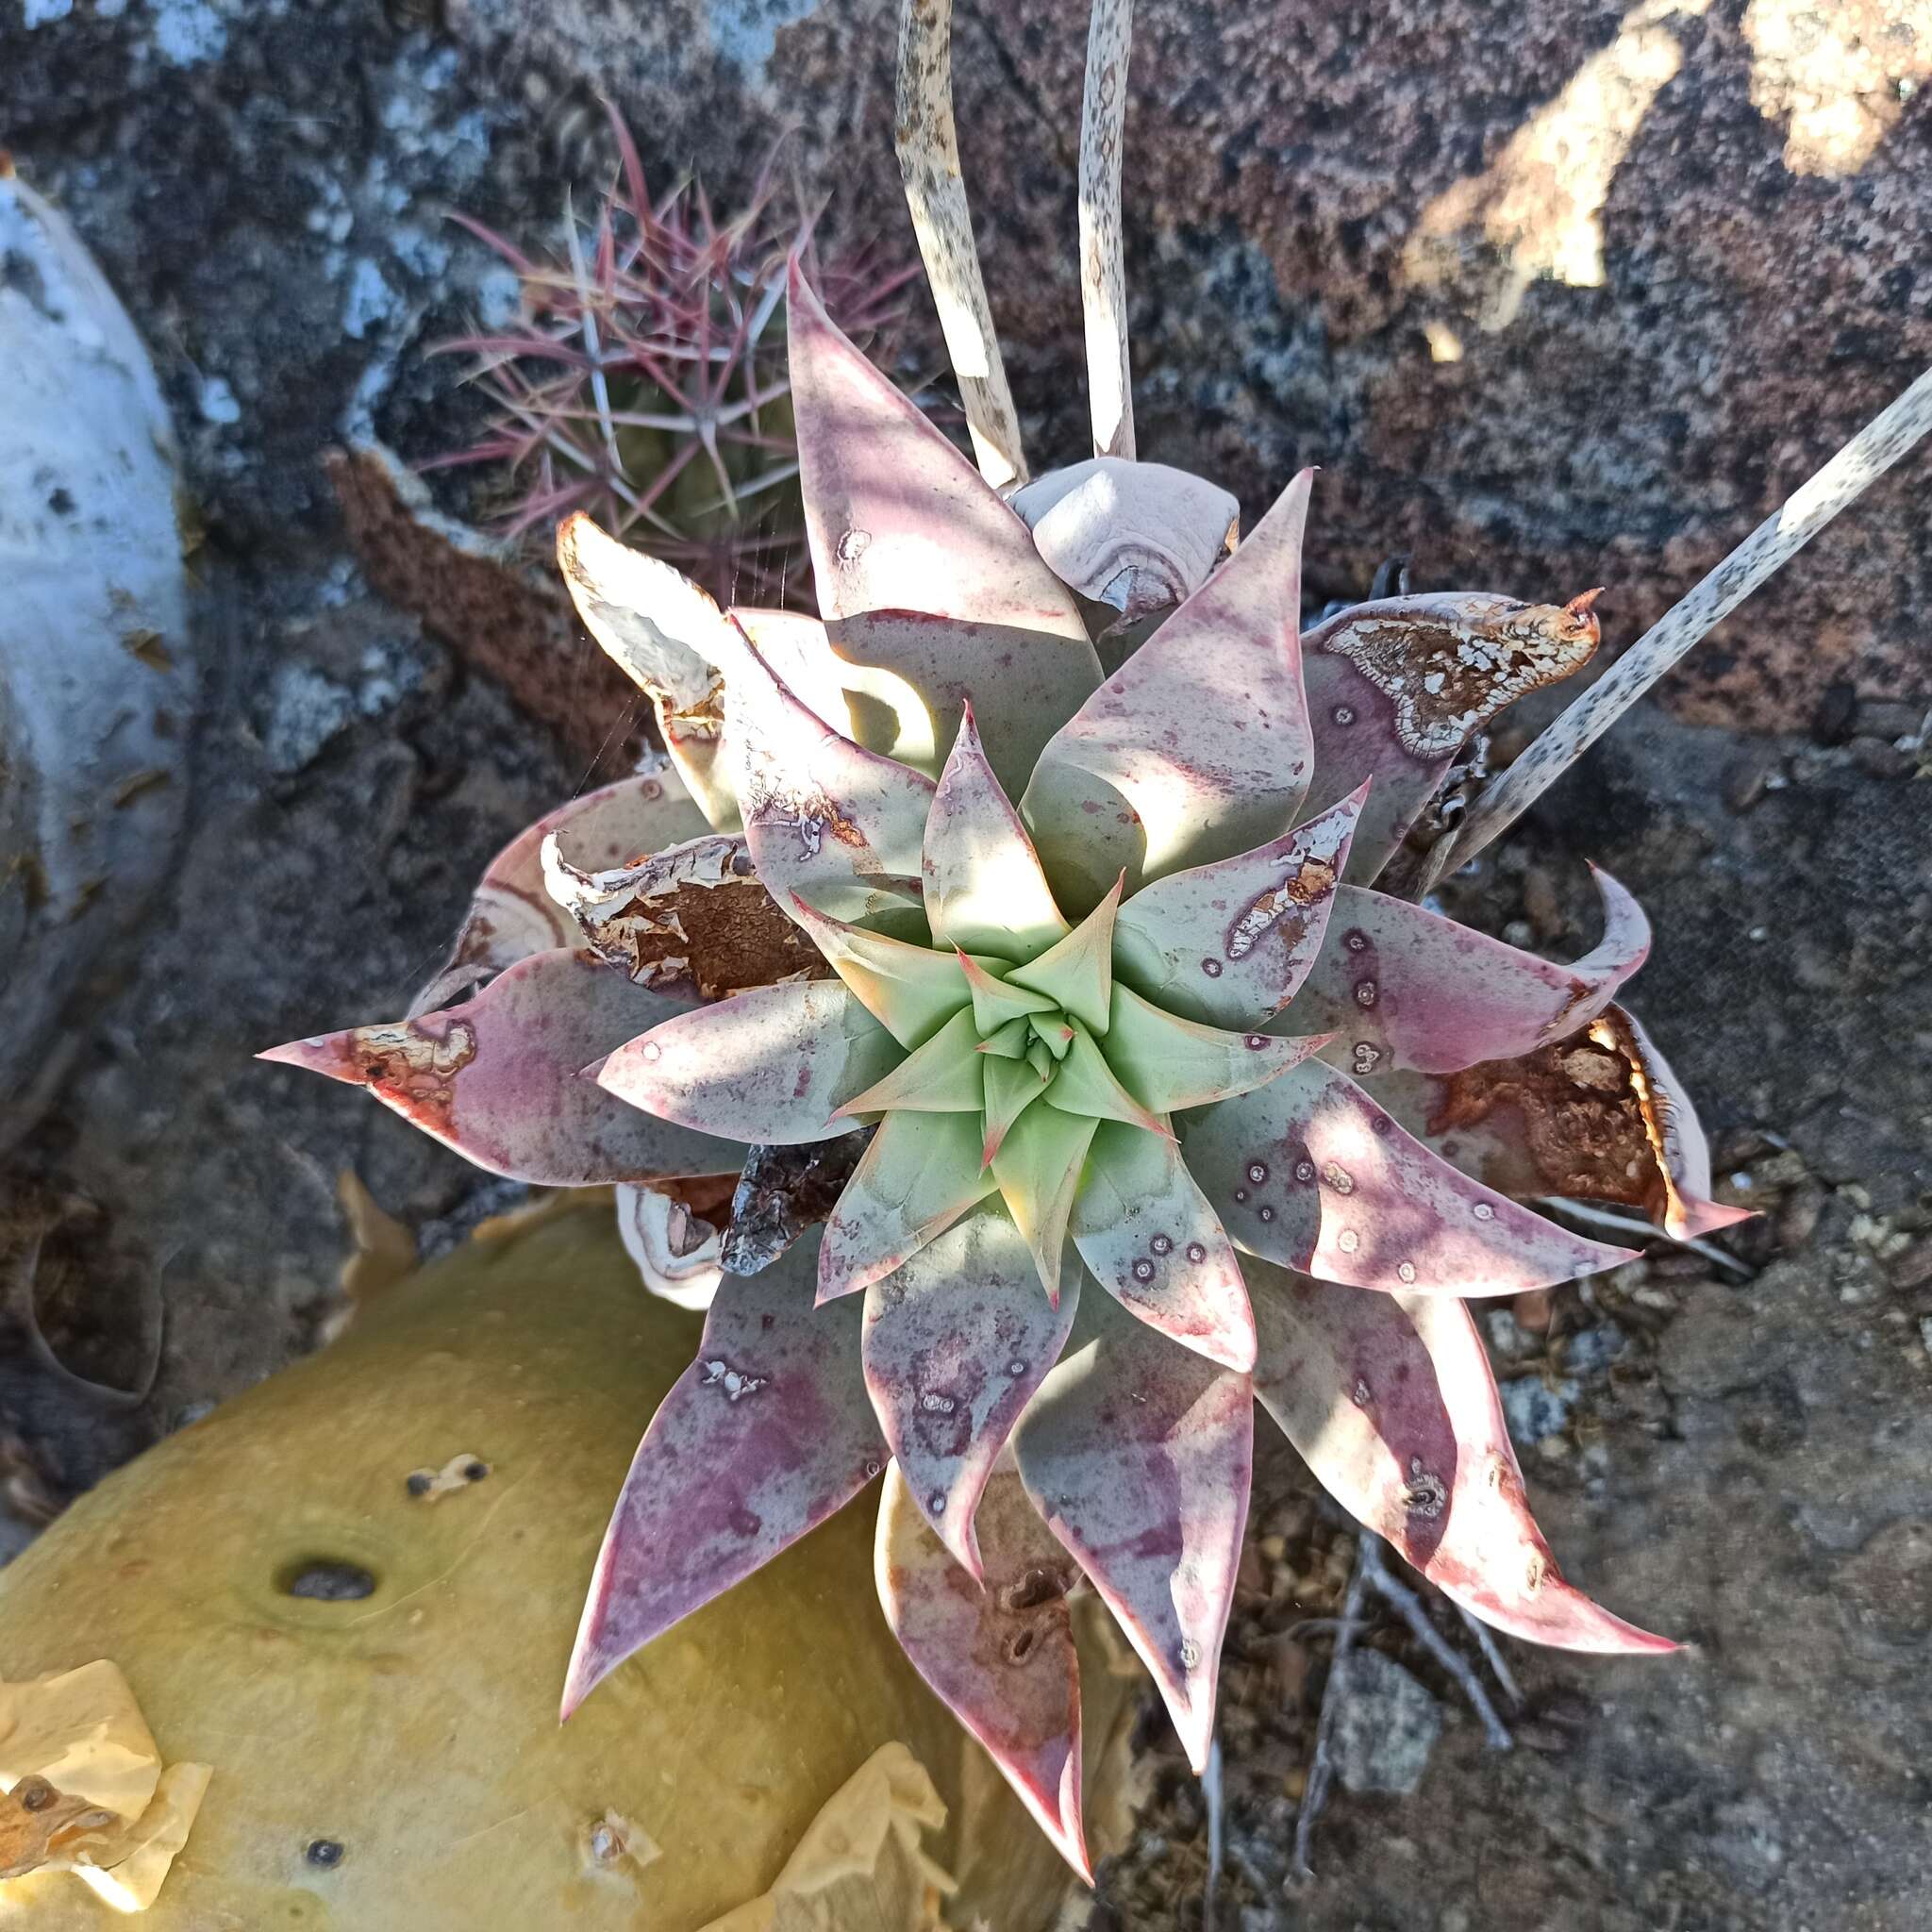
x: 941, y: 1076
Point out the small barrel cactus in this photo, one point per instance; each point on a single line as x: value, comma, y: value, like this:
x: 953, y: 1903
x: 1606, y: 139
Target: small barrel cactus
x: 1170, y: 1110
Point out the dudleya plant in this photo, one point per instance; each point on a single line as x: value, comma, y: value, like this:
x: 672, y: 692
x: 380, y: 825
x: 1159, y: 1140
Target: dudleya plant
x: 1162, y: 1093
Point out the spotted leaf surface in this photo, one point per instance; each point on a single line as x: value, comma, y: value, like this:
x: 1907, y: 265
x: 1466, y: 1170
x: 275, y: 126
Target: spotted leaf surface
x: 956, y: 1341
x: 1198, y: 746
x: 932, y: 592
x: 499, y: 1078
x: 774, y: 1065
x: 1310, y: 1172
x: 1403, y: 989
x: 512, y: 916
x: 1149, y: 1237
x: 1231, y: 943
x: 999, y: 1654
x: 1396, y: 687
x: 1138, y: 1455
x: 762, y: 1438
x: 1391, y: 1401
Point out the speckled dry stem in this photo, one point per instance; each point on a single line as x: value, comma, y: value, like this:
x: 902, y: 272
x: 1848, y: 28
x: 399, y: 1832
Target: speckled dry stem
x: 928, y: 148
x: 1103, y: 275
x: 1779, y: 538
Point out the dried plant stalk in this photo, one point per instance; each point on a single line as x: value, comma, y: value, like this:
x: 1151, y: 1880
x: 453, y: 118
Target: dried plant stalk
x: 1772, y: 543
x: 928, y: 149
x: 1103, y: 275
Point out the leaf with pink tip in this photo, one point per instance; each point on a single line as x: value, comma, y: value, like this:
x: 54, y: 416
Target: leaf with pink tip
x: 1405, y: 988
x: 930, y: 587
x: 985, y: 892
x: 1078, y: 973
x: 912, y: 990
x: 920, y: 1173
x: 1038, y: 1168
x: 1229, y: 943
x: 1138, y: 1455
x: 1169, y: 1063
x: 1396, y: 687
x: 946, y: 1075
x: 955, y: 1343
x: 513, y: 916
x: 773, y: 1066
x: 1308, y: 1171
x: 1010, y: 1087
x: 1001, y: 1656
x: 1392, y: 1402
x: 763, y: 1436
x: 498, y: 1077
x: 1198, y: 747
x: 837, y: 825
x: 1598, y: 1117
x: 1148, y: 1236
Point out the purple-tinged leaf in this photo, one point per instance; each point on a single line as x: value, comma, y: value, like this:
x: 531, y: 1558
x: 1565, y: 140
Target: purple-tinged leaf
x: 912, y: 990
x: 985, y: 892
x: 1038, y: 1169
x: 1085, y: 1084
x: 774, y: 1065
x: 498, y: 1078
x: 1308, y: 1171
x: 1403, y: 989
x: 837, y: 825
x: 1140, y: 537
x: 1396, y: 687
x: 1138, y: 1455
x: 1231, y: 943
x: 763, y: 1436
x: 1149, y: 1237
x: 512, y: 916
x: 1169, y: 1063
x: 1078, y: 973
x: 921, y: 1173
x: 1599, y: 1117
x: 1392, y: 1402
x: 956, y: 1341
x: 946, y: 1075
x: 931, y: 590
x: 1197, y: 748
x: 1000, y: 1657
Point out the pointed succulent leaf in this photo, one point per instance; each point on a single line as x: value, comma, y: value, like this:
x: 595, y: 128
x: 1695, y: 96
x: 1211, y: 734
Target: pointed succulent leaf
x: 1405, y: 988
x: 997, y: 1003
x: 837, y: 825
x: 1598, y: 1117
x: 670, y: 638
x: 910, y: 990
x: 1038, y: 1169
x: 946, y: 1075
x: 1391, y: 1400
x: 1011, y: 1086
x: 512, y: 916
x: 1395, y: 687
x: 955, y: 1343
x: 1139, y: 1455
x: 985, y: 892
x: 1309, y: 1172
x: 1149, y: 1237
x: 1010, y: 1039
x: 1140, y: 537
x: 1041, y: 1060
x: 1231, y: 943
x: 497, y: 1078
x: 763, y: 1436
x: 1052, y: 1033
x: 1077, y: 974
x: 776, y: 1065
x: 1168, y: 1063
x: 921, y: 1173
x: 1198, y: 746
x: 1085, y: 1084
x: 931, y: 590
x: 1000, y: 1655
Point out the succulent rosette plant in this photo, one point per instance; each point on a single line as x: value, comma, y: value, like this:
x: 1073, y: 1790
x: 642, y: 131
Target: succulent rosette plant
x: 1162, y: 1093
